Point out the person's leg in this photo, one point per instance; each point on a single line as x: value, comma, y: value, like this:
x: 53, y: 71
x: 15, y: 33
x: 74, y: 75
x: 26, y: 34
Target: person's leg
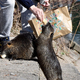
x: 6, y: 17
x: 6, y: 20
x: 25, y: 16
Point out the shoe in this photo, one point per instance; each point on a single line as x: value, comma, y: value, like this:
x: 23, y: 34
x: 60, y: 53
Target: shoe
x: 3, y: 41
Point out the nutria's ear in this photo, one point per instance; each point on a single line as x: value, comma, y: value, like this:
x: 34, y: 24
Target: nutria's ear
x: 51, y: 36
x: 9, y: 43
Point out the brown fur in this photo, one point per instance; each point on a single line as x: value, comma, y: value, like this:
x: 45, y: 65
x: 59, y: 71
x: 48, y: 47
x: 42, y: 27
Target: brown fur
x: 21, y: 47
x: 46, y: 55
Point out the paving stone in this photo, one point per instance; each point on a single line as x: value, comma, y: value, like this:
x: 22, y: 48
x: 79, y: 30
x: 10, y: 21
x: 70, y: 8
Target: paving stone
x: 77, y: 64
x: 42, y: 77
x: 69, y: 71
x: 19, y: 70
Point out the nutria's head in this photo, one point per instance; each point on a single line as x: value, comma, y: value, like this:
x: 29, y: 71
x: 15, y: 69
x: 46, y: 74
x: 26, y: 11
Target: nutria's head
x: 47, y: 29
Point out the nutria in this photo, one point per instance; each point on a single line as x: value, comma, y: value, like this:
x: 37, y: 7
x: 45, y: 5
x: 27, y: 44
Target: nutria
x: 46, y: 55
x: 21, y: 47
